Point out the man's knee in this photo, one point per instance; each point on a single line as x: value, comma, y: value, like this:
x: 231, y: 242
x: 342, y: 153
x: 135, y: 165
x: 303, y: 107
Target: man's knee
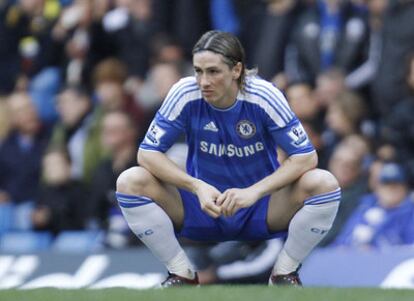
x: 133, y: 180
x: 318, y: 181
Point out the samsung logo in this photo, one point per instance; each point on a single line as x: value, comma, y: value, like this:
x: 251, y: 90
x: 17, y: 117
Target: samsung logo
x: 230, y: 150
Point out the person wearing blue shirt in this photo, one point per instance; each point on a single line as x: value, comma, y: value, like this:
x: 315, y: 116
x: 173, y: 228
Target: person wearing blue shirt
x: 234, y: 187
x: 384, y: 217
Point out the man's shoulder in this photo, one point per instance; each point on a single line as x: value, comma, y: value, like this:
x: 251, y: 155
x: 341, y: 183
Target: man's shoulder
x: 257, y: 87
x: 185, y: 82
x: 183, y: 89
x: 183, y: 92
x: 264, y: 95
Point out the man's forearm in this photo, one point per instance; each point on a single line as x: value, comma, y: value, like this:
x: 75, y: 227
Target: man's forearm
x: 159, y: 165
x: 290, y: 170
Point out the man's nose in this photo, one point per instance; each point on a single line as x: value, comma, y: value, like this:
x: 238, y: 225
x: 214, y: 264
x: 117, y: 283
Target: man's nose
x: 204, y: 81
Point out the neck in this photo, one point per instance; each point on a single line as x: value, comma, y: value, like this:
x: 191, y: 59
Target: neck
x: 229, y: 99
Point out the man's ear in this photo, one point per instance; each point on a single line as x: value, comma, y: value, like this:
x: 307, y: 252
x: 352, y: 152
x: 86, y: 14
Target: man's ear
x: 237, y: 69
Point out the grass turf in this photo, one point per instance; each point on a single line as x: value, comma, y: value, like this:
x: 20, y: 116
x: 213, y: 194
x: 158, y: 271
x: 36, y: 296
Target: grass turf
x: 211, y: 293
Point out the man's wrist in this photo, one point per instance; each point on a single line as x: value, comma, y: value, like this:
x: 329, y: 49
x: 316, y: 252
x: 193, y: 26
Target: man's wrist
x: 194, y: 185
x: 257, y: 192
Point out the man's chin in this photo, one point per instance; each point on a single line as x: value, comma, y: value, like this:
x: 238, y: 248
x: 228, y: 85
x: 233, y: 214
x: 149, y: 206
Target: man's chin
x: 211, y: 100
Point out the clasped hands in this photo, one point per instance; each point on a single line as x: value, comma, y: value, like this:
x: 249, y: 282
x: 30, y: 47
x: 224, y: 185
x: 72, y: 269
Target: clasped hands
x: 215, y: 203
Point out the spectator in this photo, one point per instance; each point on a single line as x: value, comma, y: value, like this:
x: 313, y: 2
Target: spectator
x: 130, y: 26
x: 20, y: 158
x: 398, y: 125
x: 78, y: 131
x: 362, y: 75
x: 270, y: 51
x: 190, y: 19
x: 11, y: 30
x: 303, y: 102
x: 346, y: 164
x: 251, y: 14
x: 82, y: 40
x: 343, y: 118
x: 26, y: 44
x: 109, y: 79
x: 152, y: 93
x: 385, y: 217
x: 328, y: 34
x: 119, y: 139
x: 61, y: 202
x: 389, y: 85
x: 166, y: 49
x: 309, y: 110
x: 329, y: 84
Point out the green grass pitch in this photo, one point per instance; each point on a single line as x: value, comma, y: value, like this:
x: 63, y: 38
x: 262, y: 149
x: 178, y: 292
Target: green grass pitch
x: 211, y: 293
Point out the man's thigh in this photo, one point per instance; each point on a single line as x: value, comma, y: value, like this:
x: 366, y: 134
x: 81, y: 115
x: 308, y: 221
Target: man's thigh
x: 142, y: 182
x: 170, y: 200
x: 283, y: 205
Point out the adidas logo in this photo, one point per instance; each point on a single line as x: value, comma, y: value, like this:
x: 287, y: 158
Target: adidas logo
x: 211, y: 126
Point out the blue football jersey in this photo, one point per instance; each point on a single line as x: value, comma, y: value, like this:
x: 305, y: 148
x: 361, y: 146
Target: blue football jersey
x: 233, y: 147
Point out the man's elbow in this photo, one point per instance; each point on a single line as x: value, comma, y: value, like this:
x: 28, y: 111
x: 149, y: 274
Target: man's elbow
x: 147, y: 158
x: 307, y: 161
x: 142, y: 158
x: 313, y: 160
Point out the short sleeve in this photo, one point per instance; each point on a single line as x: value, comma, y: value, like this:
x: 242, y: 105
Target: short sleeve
x: 292, y: 138
x: 161, y: 134
x: 171, y: 119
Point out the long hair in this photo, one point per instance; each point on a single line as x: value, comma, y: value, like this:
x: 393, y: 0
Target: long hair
x: 229, y: 47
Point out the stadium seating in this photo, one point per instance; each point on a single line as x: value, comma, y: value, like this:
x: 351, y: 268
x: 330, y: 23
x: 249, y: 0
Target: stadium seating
x: 6, y: 217
x: 24, y: 241
x: 78, y: 241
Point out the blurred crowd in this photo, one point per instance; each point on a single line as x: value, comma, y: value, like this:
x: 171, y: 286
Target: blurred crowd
x: 80, y: 81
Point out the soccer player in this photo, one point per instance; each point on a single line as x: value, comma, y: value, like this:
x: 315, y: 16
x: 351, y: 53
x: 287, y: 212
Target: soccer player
x: 234, y: 187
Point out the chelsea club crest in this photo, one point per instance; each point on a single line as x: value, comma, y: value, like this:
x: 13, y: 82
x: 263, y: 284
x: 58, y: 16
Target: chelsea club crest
x: 245, y: 129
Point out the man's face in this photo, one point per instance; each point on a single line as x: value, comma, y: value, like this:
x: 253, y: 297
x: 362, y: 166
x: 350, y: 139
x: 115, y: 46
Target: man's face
x: 116, y: 131
x: 217, y: 81
x: 71, y: 107
x: 23, y: 114
x: 391, y: 194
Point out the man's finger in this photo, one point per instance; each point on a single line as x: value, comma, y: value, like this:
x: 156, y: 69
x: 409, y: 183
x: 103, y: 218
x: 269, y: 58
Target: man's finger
x: 225, y: 206
x: 231, y: 209
x: 213, y: 208
x: 220, y: 199
x: 234, y: 208
x: 212, y: 213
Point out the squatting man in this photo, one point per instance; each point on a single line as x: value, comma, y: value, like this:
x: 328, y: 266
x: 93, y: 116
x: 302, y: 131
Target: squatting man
x: 234, y: 187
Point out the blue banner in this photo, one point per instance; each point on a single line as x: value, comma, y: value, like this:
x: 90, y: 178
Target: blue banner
x: 137, y: 268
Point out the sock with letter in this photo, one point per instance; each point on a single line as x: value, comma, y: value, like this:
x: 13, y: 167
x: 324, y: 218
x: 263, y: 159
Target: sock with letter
x: 306, y: 229
x: 154, y: 228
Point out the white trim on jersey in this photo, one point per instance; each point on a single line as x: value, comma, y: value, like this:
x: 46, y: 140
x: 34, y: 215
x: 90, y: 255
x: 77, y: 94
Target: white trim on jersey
x: 178, y: 90
x: 274, y: 115
x: 302, y: 154
x: 270, y: 99
x: 150, y: 150
x: 275, y: 94
x: 185, y: 98
x: 257, y: 91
